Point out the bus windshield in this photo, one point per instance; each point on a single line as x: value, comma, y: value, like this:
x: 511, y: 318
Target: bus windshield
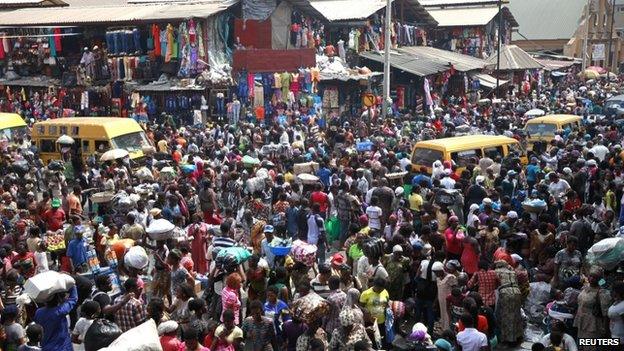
x: 12, y: 133
x: 541, y: 129
x: 130, y: 142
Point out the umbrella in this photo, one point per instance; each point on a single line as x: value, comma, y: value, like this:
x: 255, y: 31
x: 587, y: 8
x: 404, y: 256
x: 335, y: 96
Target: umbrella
x: 535, y: 112
x: 589, y: 74
x: 598, y: 69
x: 114, y: 154
x: 160, y: 229
x: 609, y: 75
x: 65, y: 139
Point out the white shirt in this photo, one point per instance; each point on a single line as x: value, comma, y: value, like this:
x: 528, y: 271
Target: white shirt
x: 567, y: 341
x: 448, y: 183
x: 600, y: 151
x: 616, y: 322
x: 374, y: 217
x: 471, y: 339
x: 557, y: 190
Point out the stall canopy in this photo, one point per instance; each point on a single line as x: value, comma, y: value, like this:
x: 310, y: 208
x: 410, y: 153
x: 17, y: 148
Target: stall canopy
x: 554, y: 65
x: 357, y: 10
x: 461, y: 62
x: 487, y: 80
x: 513, y: 58
x: 468, y: 16
x: 417, y: 65
x: 104, y: 14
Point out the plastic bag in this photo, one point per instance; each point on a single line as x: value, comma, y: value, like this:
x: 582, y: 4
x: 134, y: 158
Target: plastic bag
x: 100, y: 334
x: 136, y: 257
x: 141, y: 338
x: 332, y: 228
x: 536, y: 302
x: 607, y: 253
x: 533, y: 333
x: 240, y: 253
x: 43, y: 285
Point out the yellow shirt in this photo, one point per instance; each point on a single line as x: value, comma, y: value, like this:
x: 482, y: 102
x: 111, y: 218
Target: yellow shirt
x: 415, y: 202
x: 162, y: 146
x: 376, y: 303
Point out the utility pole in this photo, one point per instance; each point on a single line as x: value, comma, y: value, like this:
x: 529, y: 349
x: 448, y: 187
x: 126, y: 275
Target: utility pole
x: 500, y: 38
x: 388, y: 44
x: 611, y: 58
x: 586, y: 41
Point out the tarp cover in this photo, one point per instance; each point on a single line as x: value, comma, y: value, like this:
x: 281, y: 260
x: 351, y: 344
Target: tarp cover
x: 280, y: 26
x: 258, y: 9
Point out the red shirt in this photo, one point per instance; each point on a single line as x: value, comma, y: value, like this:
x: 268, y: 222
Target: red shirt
x: 170, y: 343
x: 320, y: 198
x: 54, y: 219
x: 453, y: 241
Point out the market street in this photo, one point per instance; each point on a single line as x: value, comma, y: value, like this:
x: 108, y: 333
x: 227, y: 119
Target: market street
x: 311, y: 175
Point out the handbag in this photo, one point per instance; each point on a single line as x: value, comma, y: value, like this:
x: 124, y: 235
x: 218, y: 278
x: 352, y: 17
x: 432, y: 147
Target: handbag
x: 426, y: 289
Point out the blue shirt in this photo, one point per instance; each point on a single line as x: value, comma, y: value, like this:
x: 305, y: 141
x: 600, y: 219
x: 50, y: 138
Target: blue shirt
x: 54, y: 322
x: 77, y: 251
x: 532, y: 171
x: 419, y: 178
x: 275, y: 311
x: 324, y: 174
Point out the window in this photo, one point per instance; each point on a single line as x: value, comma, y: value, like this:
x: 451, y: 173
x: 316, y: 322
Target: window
x: 63, y: 130
x: 464, y: 158
x: 130, y: 142
x: 85, y: 146
x: 101, y: 145
x: 41, y: 129
x: 426, y: 157
x: 541, y: 129
x: 47, y: 145
x: 75, y: 130
x: 492, y: 152
x: 52, y: 130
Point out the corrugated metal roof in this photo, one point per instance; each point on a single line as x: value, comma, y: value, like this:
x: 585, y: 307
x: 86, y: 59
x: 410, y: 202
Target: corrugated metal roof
x: 419, y: 66
x: 468, y: 16
x: 428, y: 3
x: 340, y: 10
x: 107, y: 14
x: 553, y: 65
x: 546, y: 19
x: 513, y: 58
x: 460, y: 62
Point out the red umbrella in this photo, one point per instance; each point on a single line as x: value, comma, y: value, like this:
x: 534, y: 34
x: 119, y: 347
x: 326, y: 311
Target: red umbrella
x: 600, y: 70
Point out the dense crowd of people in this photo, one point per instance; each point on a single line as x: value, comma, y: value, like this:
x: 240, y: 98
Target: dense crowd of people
x: 351, y: 257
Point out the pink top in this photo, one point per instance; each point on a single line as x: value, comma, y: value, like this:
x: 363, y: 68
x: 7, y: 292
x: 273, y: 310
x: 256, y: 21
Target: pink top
x: 230, y: 301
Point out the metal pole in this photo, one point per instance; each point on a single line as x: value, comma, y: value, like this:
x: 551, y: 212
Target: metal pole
x: 500, y: 38
x: 610, y: 58
x: 388, y: 44
x: 586, y: 40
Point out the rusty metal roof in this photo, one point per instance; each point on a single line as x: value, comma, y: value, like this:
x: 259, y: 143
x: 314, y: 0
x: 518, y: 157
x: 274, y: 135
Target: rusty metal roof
x: 460, y: 62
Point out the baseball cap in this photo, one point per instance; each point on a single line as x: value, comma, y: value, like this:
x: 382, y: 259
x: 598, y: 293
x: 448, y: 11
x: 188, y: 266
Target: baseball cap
x: 56, y: 203
x: 268, y: 228
x: 397, y: 248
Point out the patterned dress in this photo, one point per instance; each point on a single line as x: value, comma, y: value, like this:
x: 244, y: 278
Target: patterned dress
x: 336, y: 302
x: 508, y: 304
